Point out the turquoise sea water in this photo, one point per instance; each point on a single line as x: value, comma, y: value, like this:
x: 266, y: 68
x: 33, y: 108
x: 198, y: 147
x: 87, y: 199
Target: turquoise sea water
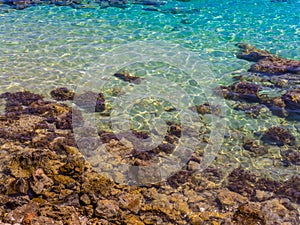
x: 42, y: 47
x: 46, y: 44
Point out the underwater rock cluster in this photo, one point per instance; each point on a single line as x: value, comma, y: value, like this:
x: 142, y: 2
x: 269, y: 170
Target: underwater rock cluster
x: 272, y: 74
x: 45, y: 179
x: 266, y: 62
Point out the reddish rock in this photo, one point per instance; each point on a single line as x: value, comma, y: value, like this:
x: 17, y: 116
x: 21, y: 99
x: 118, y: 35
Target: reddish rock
x: 276, y: 66
x: 107, y: 209
x: 40, y: 181
x: 266, y: 62
x: 21, y: 213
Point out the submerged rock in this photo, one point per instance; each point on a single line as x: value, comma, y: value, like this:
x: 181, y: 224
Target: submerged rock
x: 62, y: 94
x: 242, y: 91
x: 254, y: 111
x: 292, y: 100
x: 255, y: 148
x: 291, y: 156
x: 46, y: 180
x: 278, y: 136
x: 248, y: 215
x: 272, y: 82
x: 276, y: 66
x: 90, y: 101
x: 250, y: 53
x: 206, y: 108
x: 125, y: 76
x: 266, y: 62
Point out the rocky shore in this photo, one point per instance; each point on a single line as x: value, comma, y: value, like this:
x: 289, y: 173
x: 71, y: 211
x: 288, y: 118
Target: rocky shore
x: 45, y: 179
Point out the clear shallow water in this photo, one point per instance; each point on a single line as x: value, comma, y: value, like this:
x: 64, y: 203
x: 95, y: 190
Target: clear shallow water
x: 44, y: 47
x: 49, y: 44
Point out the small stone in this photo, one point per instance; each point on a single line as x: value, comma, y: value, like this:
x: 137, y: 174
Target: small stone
x: 107, y: 209
x: 20, y: 186
x: 132, y: 201
x: 249, y: 214
x: 125, y: 76
x: 40, y: 181
x: 194, y: 166
x: 231, y: 199
x: 85, y: 199
x: 17, y: 215
x: 133, y: 220
x: 263, y: 195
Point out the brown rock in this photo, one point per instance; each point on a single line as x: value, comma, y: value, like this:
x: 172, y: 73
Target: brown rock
x: 85, y: 199
x: 64, y: 214
x: 133, y: 220
x: 255, y: 148
x: 62, y: 94
x: 131, y: 201
x: 25, y: 98
x: 263, y: 195
x: 276, y: 66
x: 266, y: 62
x: 206, y: 108
x: 291, y: 156
x: 278, y: 136
x: 292, y: 99
x: 20, y: 186
x: 242, y: 91
x: 125, y: 76
x: 21, y: 213
x: 43, y: 220
x: 251, y: 53
x: 40, y: 181
x: 214, y: 218
x: 231, y: 199
x: 107, y: 209
x: 276, y: 213
x: 249, y: 214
